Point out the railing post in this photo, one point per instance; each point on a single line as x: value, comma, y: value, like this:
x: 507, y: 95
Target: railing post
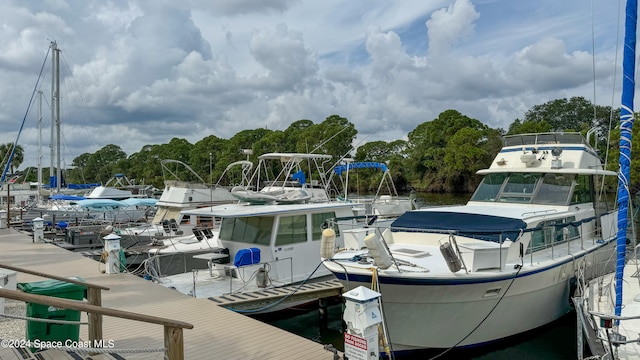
x: 173, y: 342
x: 94, y: 297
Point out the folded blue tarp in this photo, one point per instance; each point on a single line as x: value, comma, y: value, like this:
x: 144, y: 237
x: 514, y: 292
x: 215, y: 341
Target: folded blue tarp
x: 248, y: 256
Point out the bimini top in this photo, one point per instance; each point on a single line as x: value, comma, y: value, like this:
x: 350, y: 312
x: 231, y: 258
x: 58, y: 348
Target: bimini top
x: 360, y: 165
x: 290, y: 156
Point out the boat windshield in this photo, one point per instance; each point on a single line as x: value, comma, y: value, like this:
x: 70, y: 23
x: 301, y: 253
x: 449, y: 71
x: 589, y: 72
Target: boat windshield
x: 526, y: 188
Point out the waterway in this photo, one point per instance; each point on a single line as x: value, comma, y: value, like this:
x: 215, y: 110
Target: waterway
x: 556, y: 341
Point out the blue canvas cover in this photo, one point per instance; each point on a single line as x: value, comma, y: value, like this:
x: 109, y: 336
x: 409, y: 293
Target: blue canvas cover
x: 140, y: 202
x: 360, y: 165
x: 66, y: 197
x: 478, y: 226
x: 246, y: 257
x: 82, y: 186
x: 100, y: 204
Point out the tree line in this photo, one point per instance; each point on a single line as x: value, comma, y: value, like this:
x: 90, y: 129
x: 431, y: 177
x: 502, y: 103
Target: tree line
x: 439, y: 155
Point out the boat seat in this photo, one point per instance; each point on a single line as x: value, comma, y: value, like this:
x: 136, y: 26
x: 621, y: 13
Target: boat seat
x: 165, y: 226
x: 174, y: 225
x: 198, y: 234
x: 217, y: 256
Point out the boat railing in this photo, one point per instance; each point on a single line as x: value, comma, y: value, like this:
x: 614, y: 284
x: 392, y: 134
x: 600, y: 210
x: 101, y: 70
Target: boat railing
x: 265, y: 265
x: 94, y: 296
x: 543, y: 139
x: 607, y: 321
x: 539, y: 212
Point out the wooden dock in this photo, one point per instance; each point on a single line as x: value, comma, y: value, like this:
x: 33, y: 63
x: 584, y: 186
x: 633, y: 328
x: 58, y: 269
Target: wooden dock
x: 218, y: 333
x: 293, y: 293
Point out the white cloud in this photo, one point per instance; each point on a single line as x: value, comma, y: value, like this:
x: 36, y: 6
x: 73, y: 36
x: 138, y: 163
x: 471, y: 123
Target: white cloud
x: 450, y: 25
x: 144, y: 73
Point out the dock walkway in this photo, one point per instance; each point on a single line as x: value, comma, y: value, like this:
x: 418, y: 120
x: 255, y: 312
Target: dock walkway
x: 218, y: 333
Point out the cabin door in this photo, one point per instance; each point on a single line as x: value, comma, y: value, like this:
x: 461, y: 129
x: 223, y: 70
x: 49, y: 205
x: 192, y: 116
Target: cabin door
x: 296, y: 255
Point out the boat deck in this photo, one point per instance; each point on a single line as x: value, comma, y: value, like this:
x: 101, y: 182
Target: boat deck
x: 601, y: 300
x: 218, y: 333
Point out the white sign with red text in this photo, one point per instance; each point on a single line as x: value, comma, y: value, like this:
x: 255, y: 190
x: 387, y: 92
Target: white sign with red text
x: 355, y: 347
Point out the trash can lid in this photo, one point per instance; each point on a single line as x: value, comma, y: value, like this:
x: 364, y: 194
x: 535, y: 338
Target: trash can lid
x: 50, y: 287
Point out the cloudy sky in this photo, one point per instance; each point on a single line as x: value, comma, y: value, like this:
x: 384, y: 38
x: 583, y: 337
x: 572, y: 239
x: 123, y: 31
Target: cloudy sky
x: 143, y: 72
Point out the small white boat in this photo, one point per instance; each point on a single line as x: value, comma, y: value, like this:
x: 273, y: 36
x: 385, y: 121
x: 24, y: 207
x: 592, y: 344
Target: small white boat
x: 607, y: 335
x: 500, y: 265
x: 278, y: 196
x: 179, y: 195
x: 119, y: 187
x: 283, y: 240
x: 608, y: 307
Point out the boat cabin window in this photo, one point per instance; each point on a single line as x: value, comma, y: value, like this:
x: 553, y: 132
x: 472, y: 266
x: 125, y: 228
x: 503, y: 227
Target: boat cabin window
x: 251, y: 230
x: 317, y: 220
x: 554, y: 189
x: 519, y: 187
x: 582, y: 192
x: 525, y: 188
x: 489, y: 187
x: 292, y: 229
x: 553, y: 232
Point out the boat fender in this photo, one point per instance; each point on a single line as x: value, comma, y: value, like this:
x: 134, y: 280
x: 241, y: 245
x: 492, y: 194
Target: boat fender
x: 261, y: 278
x: 328, y: 243
x: 450, y: 257
x: 378, y: 251
x: 573, y: 286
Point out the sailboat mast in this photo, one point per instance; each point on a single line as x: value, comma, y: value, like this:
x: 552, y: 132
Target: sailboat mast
x: 55, y: 112
x: 626, y: 124
x: 40, y: 95
x: 53, y: 116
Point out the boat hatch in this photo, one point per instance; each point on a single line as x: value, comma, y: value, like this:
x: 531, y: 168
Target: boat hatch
x: 411, y: 252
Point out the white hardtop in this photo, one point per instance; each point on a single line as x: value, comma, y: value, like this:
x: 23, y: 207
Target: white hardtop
x: 564, y: 153
x: 290, y: 156
x: 242, y: 210
x: 102, y: 192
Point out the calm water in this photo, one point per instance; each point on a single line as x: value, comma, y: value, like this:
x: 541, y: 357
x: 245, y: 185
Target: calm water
x: 556, y: 341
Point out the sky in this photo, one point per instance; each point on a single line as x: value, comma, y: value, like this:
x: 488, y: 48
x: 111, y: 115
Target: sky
x: 138, y: 72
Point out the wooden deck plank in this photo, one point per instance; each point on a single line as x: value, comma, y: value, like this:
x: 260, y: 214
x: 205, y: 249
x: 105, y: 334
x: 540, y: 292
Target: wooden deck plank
x: 218, y: 333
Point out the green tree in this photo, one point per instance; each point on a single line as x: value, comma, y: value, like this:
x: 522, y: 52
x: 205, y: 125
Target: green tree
x: 16, y: 161
x: 334, y: 136
x: 428, y: 146
x: 146, y: 165
x: 574, y: 114
x: 527, y: 127
x: 467, y: 151
x: 207, y: 153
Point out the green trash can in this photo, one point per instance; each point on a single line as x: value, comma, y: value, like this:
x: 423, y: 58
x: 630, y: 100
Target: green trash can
x: 47, y: 331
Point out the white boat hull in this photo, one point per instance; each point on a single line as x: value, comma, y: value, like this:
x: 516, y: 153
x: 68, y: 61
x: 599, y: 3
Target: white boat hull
x: 474, y: 310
